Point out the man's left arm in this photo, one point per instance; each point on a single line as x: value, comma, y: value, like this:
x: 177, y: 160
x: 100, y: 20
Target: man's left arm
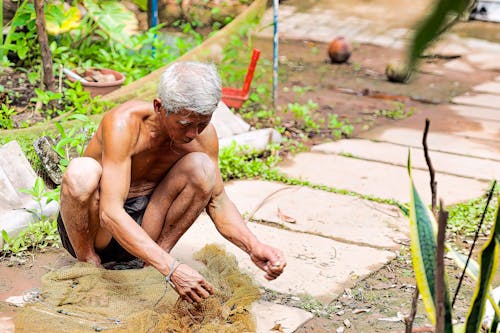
x: 233, y: 227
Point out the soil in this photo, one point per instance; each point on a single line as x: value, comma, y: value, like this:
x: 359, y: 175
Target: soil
x: 358, y: 90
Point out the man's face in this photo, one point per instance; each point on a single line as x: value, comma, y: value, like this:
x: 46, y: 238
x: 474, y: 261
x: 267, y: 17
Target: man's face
x: 183, y: 127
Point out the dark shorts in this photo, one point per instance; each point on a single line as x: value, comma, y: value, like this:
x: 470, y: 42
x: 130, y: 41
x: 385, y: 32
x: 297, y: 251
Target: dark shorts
x: 135, y: 207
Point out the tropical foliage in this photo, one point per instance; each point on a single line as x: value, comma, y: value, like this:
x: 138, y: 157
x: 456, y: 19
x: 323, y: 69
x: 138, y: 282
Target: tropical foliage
x: 423, y: 233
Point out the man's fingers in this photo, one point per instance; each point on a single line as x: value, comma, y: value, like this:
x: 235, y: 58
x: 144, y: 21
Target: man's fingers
x: 193, y: 296
x: 208, y: 287
x: 202, y: 292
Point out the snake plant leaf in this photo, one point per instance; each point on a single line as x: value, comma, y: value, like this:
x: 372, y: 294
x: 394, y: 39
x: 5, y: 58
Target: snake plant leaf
x: 444, y: 12
x: 472, y: 271
x: 59, y: 20
x: 113, y: 18
x: 488, y: 260
x: 423, y: 229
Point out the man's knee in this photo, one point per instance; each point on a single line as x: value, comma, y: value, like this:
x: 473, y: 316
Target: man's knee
x: 81, y: 178
x: 201, y: 171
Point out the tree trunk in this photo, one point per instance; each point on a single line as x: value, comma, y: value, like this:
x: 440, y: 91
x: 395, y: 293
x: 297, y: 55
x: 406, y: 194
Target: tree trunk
x: 48, y: 74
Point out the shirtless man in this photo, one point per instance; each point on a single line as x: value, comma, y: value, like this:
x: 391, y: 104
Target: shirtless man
x: 147, y: 174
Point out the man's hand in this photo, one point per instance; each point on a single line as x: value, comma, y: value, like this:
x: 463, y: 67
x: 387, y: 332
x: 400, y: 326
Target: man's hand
x: 270, y: 260
x: 190, y: 285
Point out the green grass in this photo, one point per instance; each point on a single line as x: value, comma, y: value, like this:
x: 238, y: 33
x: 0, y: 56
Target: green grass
x: 464, y: 217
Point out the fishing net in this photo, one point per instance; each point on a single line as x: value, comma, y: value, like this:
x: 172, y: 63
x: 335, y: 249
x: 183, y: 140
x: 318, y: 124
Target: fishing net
x: 85, y: 298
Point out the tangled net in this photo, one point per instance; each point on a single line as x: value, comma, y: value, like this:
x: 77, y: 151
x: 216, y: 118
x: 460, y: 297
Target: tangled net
x: 85, y: 298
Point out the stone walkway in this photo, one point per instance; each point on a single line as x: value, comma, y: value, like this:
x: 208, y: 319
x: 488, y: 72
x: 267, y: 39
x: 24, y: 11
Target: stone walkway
x: 333, y: 240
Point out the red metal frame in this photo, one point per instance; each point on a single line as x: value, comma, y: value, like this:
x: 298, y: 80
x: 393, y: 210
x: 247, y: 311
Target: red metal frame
x: 234, y: 97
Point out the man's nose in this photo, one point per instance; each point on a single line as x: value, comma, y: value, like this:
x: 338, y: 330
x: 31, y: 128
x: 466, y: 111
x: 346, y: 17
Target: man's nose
x: 192, y: 133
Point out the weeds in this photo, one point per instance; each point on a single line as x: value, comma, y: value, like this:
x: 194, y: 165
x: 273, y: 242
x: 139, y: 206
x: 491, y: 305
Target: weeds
x: 398, y: 111
x: 6, y: 113
x: 338, y: 128
x: 464, y: 217
x: 39, y: 234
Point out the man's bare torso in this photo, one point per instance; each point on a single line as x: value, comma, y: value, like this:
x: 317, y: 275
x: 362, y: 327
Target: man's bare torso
x: 152, y: 154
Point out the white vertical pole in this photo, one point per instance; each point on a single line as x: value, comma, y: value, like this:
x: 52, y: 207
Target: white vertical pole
x: 275, y: 53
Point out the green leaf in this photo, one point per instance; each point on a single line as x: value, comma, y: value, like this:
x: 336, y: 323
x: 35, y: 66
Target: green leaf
x: 60, y: 20
x: 5, y: 236
x: 472, y: 271
x: 113, y: 18
x: 488, y: 260
x: 423, y: 229
x: 444, y: 12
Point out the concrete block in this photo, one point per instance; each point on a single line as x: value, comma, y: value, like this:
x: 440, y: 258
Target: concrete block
x: 267, y: 315
x: 459, y: 66
x: 484, y: 100
x: 474, y: 112
x: 15, y: 220
x: 227, y: 123
x: 316, y: 266
x: 9, y: 198
x: 385, y: 152
x: 339, y: 217
x: 16, y: 167
x: 488, y: 87
x: 442, y: 142
x: 258, y: 139
x: 485, y: 61
x: 379, y: 179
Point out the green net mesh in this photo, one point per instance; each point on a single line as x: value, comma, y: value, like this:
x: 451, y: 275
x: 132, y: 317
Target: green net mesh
x: 84, y: 298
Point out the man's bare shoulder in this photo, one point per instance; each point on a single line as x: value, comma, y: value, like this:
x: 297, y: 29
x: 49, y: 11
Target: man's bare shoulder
x: 131, y: 110
x: 208, y: 140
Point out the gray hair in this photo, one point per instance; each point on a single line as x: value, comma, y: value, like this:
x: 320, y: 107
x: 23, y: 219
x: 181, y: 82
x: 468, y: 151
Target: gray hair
x: 190, y: 85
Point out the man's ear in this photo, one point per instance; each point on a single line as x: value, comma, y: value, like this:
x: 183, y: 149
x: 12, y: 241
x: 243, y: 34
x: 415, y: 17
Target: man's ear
x: 157, y: 105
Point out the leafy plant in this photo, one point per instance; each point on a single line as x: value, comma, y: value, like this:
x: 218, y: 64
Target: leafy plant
x: 6, y: 113
x: 36, y: 236
x: 23, y: 43
x: 338, y: 128
x: 39, y: 234
x: 423, y: 245
x: 398, y: 111
x: 303, y: 114
x: 444, y: 14
x: 461, y: 214
x: 73, y: 140
x: 236, y: 163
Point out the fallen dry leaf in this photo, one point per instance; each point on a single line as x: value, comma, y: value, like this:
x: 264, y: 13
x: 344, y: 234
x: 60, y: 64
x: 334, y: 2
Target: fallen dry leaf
x: 285, y: 218
x: 277, y: 327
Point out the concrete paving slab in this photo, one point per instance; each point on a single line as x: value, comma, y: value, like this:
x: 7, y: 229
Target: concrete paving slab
x: 340, y: 217
x: 267, y: 315
x: 489, y: 87
x: 379, y: 179
x: 442, y: 142
x: 481, y: 45
x: 475, y: 112
x: 458, y: 165
x: 449, y: 49
x: 316, y: 266
x: 485, y: 100
x: 459, y: 66
x: 485, y: 61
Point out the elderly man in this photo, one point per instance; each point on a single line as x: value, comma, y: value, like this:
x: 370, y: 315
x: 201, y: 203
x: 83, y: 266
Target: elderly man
x: 147, y: 174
